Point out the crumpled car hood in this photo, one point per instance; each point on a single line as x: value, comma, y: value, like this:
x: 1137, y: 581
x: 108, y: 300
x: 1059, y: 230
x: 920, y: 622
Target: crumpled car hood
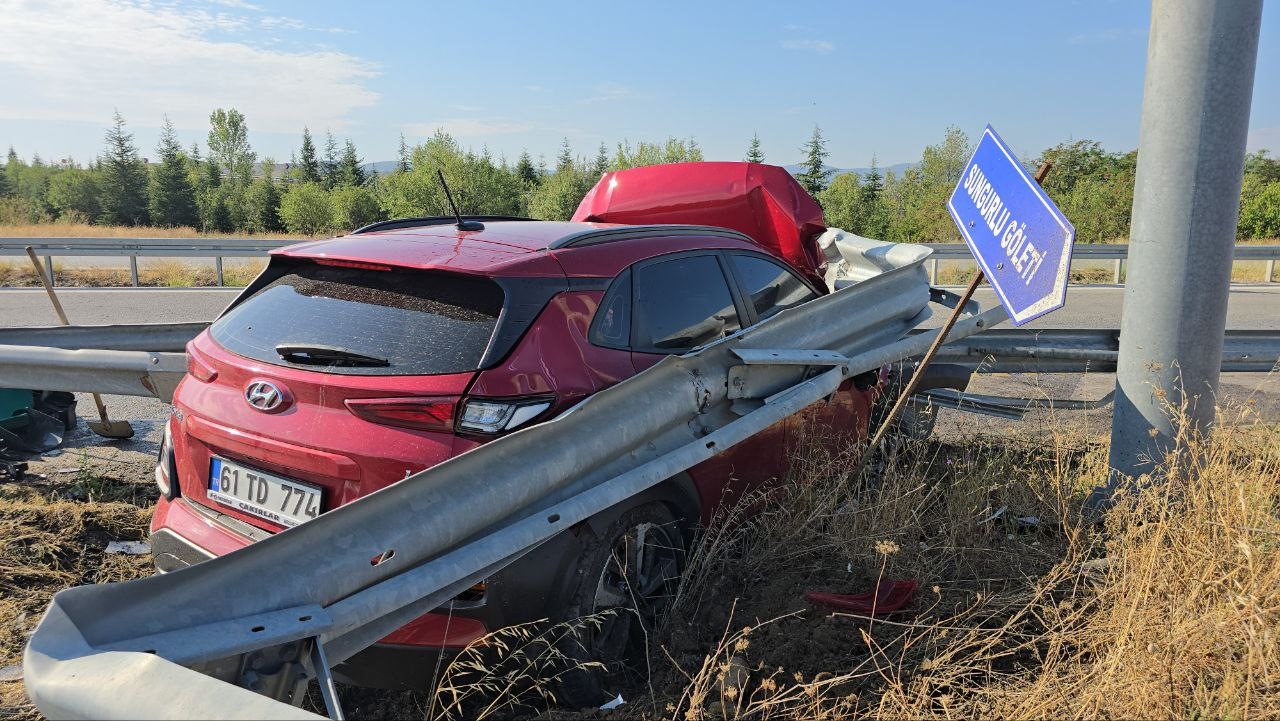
x: 762, y: 201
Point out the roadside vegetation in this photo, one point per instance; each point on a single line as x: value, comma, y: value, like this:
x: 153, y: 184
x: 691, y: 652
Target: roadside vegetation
x: 326, y: 187
x: 1024, y: 609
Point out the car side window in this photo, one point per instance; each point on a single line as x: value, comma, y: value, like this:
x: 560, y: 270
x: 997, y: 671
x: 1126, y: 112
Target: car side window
x: 770, y: 287
x: 611, y: 326
x: 681, y: 304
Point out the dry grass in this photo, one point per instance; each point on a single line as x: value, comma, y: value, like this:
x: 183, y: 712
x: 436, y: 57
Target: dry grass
x: 1103, y: 272
x: 1170, y: 608
x: 55, y: 531
x: 86, y: 230
x: 161, y: 272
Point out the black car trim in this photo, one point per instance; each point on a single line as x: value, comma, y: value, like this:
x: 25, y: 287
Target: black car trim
x: 423, y: 222
x: 609, y: 235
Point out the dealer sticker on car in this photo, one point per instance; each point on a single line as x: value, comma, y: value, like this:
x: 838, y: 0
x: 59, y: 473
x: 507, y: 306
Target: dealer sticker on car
x: 279, y: 500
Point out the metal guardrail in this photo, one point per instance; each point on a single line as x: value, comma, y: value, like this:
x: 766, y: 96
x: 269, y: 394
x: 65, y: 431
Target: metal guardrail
x: 1024, y: 350
x: 219, y: 248
x: 134, y: 248
x: 1116, y: 253
x: 116, y: 358
x: 179, y: 645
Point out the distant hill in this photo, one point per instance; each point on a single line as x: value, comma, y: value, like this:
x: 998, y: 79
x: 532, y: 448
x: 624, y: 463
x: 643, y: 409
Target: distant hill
x: 382, y: 167
x: 797, y: 168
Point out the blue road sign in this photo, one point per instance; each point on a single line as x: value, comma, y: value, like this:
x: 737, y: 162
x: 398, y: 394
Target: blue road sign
x: 1019, y: 237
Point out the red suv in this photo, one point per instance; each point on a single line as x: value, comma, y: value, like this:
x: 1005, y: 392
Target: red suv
x: 353, y: 362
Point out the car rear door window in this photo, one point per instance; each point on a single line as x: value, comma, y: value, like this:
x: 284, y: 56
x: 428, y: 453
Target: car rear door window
x: 770, y: 288
x: 365, y: 322
x: 681, y: 304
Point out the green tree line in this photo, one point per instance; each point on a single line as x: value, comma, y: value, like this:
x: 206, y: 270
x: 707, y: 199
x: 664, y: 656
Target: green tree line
x: 325, y: 187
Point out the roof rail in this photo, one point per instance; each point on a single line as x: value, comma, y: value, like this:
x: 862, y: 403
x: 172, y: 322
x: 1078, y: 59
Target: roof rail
x: 424, y: 222
x: 609, y: 235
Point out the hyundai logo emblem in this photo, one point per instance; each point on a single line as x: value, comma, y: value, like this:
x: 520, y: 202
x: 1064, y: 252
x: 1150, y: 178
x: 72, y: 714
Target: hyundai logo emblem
x: 265, y: 396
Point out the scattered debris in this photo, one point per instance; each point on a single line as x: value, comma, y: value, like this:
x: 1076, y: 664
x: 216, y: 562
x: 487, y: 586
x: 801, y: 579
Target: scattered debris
x: 613, y: 704
x: 12, y: 470
x: 131, y: 548
x: 14, y: 673
x: 888, y: 597
x: 995, y: 516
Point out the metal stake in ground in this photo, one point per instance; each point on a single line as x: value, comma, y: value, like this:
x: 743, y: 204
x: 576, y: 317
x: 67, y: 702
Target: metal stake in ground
x: 905, y: 397
x: 105, y: 427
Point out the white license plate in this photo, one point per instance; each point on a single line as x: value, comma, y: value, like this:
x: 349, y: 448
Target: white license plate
x: 265, y: 495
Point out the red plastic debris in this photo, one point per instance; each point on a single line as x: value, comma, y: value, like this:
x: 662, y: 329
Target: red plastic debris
x: 888, y: 597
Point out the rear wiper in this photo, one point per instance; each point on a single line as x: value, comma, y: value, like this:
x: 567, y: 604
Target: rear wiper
x: 310, y: 353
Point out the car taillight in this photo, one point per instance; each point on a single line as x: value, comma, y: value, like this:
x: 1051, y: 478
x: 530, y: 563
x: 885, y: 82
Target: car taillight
x: 196, y: 367
x: 494, y: 416
x: 428, y: 413
x: 166, y: 465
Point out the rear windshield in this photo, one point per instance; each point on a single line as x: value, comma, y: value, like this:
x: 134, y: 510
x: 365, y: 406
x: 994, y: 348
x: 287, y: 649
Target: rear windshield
x: 365, y: 322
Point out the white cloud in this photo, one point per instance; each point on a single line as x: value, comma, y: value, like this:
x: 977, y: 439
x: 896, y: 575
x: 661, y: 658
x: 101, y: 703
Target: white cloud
x: 469, y: 127
x: 79, y: 59
x: 237, y: 4
x: 817, y: 46
x: 605, y: 92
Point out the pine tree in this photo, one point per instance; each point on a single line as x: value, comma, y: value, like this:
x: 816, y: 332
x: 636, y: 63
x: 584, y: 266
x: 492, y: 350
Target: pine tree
x: 754, y: 154
x: 404, y: 155
x: 308, y: 166
x: 601, y: 165
x: 12, y: 166
x: 564, y: 161
x: 873, y: 184
x: 814, y: 177
x: 172, y: 199
x: 351, y: 167
x: 525, y: 171
x: 263, y: 200
x: 6, y: 187
x: 329, y: 166
x: 124, y: 178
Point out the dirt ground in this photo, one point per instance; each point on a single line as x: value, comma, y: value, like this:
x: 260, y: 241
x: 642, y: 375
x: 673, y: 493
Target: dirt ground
x: 57, y: 522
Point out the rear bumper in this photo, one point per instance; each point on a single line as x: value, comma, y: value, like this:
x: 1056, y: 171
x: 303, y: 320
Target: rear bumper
x: 184, y: 534
x: 171, y: 551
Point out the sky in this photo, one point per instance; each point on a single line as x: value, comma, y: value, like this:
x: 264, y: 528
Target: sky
x: 879, y: 78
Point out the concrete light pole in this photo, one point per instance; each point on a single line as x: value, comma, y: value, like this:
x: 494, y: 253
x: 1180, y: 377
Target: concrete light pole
x: 1195, y: 118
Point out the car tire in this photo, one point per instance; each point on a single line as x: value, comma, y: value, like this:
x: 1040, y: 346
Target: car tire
x: 629, y: 574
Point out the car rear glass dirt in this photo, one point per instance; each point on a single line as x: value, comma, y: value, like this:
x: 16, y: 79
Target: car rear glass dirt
x: 421, y: 323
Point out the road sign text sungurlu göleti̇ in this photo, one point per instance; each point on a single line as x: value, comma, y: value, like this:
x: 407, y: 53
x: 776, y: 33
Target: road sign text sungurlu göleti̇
x: 1018, y: 236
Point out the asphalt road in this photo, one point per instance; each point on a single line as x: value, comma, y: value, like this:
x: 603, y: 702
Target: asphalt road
x: 1250, y: 307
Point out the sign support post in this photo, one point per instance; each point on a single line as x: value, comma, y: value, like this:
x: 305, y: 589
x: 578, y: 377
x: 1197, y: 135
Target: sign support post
x: 905, y: 396
x: 1195, y: 120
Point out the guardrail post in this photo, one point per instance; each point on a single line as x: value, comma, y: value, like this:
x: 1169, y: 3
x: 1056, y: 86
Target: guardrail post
x: 217, y: 269
x: 1119, y: 267
x: 133, y: 270
x: 933, y: 272
x: 48, y: 269
x: 1271, y: 271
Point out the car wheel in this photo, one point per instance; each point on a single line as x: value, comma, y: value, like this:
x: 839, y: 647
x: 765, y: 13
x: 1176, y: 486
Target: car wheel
x: 627, y: 581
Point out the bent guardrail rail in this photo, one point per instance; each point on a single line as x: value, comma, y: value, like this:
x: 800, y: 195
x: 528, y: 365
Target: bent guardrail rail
x: 180, y: 645
x: 1027, y: 350
x: 154, y: 337
x: 126, y: 373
